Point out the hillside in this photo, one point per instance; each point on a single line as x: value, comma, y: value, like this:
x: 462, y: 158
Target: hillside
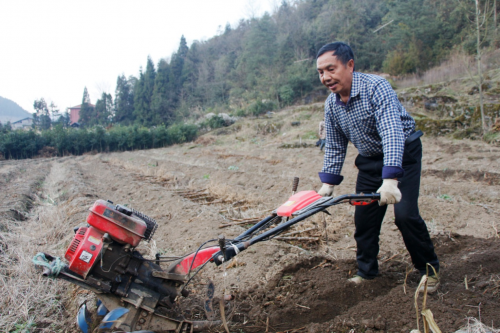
x: 11, y: 111
x: 272, y: 58
x: 231, y: 177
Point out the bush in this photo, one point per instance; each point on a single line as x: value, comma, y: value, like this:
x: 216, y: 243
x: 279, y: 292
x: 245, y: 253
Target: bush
x: 260, y: 107
x: 286, y: 94
x: 216, y: 122
x: 64, y: 141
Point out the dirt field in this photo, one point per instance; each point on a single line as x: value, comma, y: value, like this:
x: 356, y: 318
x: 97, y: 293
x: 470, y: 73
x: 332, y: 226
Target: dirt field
x: 279, y: 286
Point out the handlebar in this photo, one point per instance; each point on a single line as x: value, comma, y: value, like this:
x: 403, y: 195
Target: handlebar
x: 315, y: 207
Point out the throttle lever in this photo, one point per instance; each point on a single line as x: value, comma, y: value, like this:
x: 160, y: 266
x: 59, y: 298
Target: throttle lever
x: 222, y: 245
x: 295, y: 185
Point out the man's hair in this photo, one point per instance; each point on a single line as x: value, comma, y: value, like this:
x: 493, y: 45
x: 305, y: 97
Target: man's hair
x: 341, y: 50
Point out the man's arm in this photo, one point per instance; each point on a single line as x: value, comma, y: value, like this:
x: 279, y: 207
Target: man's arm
x: 335, y: 148
x: 390, y: 129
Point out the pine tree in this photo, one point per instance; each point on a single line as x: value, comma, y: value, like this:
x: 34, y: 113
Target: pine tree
x: 176, y: 79
x: 162, y: 101
x: 142, y: 104
x: 87, y: 112
x: 190, y: 74
x: 124, y: 101
x: 104, y: 109
x: 139, y: 98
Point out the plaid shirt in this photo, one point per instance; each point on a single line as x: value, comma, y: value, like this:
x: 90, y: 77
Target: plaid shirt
x: 373, y: 119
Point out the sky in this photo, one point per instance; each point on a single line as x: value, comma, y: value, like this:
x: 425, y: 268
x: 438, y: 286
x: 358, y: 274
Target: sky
x: 53, y: 49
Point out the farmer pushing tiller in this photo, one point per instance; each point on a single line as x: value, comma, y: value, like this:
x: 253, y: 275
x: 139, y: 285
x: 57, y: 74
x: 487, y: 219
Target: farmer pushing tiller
x: 362, y: 109
x: 365, y: 110
x: 136, y: 294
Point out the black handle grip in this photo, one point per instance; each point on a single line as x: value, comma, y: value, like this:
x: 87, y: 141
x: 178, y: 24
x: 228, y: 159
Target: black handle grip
x: 295, y: 184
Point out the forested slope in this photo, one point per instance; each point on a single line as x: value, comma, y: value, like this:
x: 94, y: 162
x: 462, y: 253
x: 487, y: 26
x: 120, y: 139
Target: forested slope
x: 271, y: 58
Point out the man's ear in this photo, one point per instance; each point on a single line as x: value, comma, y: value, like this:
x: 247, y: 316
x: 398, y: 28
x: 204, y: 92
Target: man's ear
x: 350, y: 65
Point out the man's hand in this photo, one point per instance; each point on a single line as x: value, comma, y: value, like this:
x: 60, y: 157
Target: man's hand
x: 389, y: 192
x: 326, y: 190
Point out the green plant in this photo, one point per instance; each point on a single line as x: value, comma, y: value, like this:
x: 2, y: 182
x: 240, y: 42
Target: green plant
x: 445, y: 197
x: 233, y: 168
x: 207, y: 176
x: 240, y: 113
x: 259, y: 107
x: 23, y: 327
x: 215, y: 122
x: 492, y: 137
x: 310, y: 135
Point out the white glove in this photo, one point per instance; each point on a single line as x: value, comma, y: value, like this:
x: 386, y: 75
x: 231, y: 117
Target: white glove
x: 326, y: 190
x: 389, y: 192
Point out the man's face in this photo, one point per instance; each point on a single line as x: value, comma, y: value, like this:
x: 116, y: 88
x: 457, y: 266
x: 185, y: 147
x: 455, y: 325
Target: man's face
x: 336, y: 76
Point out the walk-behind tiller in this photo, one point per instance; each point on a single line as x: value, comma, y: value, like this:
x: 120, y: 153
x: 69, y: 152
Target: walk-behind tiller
x: 138, y: 295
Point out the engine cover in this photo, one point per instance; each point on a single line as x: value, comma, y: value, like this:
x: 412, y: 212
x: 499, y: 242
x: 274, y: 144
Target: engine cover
x: 121, y: 227
x: 84, y: 250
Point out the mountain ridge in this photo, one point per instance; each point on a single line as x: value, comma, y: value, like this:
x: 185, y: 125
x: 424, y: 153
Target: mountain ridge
x: 11, y: 111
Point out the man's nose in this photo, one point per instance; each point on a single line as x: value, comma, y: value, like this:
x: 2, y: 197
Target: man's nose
x: 327, y: 77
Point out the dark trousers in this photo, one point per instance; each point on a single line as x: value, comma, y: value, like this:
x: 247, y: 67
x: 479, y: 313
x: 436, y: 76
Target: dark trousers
x: 368, y: 219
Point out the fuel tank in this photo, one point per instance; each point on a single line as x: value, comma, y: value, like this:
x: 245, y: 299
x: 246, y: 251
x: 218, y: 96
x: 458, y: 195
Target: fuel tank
x: 123, y: 228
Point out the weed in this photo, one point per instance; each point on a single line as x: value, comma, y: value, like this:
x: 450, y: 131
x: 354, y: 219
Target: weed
x: 445, y: 197
x: 206, y: 176
x: 163, y: 251
x: 492, y: 137
x: 304, y: 115
x: 233, y: 168
x: 309, y: 135
x: 23, y: 328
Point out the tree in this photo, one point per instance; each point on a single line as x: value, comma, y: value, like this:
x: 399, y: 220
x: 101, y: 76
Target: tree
x: 41, y: 118
x: 162, y: 102
x: 63, y: 119
x: 124, y: 100
x: 190, y: 74
x: 104, y: 109
x: 144, y: 94
x: 87, y: 111
x: 479, y: 23
x: 54, y: 111
x: 480, y: 15
x: 176, y: 77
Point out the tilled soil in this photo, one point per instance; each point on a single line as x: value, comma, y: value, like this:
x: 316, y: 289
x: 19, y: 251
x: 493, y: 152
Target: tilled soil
x: 314, y: 294
x: 297, y: 285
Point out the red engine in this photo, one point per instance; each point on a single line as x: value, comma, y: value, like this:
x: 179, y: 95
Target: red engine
x: 122, y: 227
x: 121, y: 224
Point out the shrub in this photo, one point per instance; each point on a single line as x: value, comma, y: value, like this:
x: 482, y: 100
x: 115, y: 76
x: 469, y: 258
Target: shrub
x: 28, y: 144
x: 260, y: 107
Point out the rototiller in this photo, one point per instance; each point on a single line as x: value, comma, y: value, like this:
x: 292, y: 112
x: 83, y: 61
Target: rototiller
x: 136, y: 294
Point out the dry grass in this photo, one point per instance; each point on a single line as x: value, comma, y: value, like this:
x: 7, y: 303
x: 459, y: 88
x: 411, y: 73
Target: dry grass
x: 475, y: 326
x: 28, y: 301
x: 458, y: 65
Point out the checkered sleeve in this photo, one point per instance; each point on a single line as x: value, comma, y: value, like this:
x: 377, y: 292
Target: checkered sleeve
x: 335, y: 147
x: 390, y: 128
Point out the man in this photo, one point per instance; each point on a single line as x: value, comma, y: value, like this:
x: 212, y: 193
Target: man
x: 322, y: 134
x: 365, y: 110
